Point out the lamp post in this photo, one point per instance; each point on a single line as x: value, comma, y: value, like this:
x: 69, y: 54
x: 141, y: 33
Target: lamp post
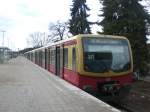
x: 3, y: 53
x: 3, y: 37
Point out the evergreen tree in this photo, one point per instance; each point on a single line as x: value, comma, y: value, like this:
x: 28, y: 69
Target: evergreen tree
x: 78, y: 24
x: 128, y: 18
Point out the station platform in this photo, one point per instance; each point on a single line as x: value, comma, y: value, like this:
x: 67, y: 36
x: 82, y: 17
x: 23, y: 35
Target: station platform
x: 25, y: 87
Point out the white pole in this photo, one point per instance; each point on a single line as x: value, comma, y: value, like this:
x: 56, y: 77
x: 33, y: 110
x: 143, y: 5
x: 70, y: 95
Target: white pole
x: 3, y: 37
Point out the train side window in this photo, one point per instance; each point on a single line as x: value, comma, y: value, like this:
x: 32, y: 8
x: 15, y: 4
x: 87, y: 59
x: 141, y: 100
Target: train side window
x: 74, y: 59
x: 66, y: 57
x: 61, y: 58
x: 49, y: 56
x: 35, y: 57
x: 43, y: 56
x: 53, y: 57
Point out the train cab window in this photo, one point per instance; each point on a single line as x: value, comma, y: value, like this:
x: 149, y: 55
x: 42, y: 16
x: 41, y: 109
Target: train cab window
x: 66, y: 57
x: 104, y: 54
x: 74, y: 59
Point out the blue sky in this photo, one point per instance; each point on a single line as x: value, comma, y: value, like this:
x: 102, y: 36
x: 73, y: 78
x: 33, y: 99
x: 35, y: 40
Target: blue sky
x: 19, y: 18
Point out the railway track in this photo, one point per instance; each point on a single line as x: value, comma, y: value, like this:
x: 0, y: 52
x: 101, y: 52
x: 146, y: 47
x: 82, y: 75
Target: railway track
x: 138, y: 99
x: 121, y: 106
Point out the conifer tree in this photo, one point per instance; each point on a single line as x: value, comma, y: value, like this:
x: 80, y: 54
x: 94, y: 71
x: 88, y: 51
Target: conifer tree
x: 128, y: 18
x: 78, y: 24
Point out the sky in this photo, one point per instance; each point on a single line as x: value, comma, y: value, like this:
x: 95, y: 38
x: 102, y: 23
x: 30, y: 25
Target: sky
x: 20, y: 18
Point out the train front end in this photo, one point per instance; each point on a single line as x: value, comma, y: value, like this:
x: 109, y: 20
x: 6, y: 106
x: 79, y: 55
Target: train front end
x: 105, y: 65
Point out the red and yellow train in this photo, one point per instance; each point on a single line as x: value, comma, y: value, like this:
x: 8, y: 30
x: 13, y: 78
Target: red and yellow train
x: 99, y: 63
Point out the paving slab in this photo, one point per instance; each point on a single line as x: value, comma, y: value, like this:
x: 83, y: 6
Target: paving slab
x: 25, y: 87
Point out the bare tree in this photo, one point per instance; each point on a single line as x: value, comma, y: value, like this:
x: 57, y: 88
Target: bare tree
x: 38, y: 39
x: 58, y: 31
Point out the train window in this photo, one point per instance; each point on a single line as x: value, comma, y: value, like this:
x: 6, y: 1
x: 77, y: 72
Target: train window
x: 74, y: 59
x: 51, y: 53
x: 40, y: 57
x: 43, y: 57
x: 50, y: 56
x: 66, y: 57
x: 61, y: 58
x: 35, y: 57
x: 103, y: 54
x: 53, y: 57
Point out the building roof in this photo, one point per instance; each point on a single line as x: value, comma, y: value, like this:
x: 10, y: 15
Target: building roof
x: 5, y: 48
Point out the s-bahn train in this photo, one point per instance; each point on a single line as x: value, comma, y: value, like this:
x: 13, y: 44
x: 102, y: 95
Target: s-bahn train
x: 101, y: 64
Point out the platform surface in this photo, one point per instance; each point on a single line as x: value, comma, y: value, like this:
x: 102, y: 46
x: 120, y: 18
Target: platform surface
x: 25, y: 87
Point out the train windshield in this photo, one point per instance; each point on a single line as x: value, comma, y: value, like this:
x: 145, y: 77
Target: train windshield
x: 102, y: 55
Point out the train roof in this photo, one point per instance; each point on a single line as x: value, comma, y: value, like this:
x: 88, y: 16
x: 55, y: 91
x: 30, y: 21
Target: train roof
x: 78, y: 36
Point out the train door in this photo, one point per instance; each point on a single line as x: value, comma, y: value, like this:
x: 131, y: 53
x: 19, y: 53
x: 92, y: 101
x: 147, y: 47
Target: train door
x: 57, y: 61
